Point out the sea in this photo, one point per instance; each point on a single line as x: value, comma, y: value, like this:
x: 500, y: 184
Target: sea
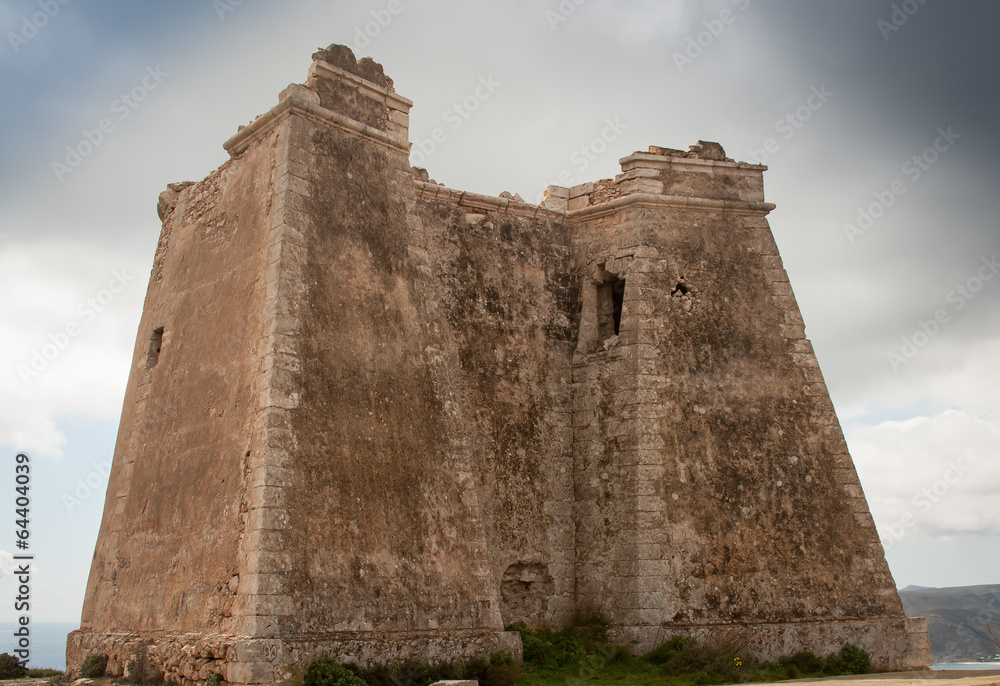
x: 965, y: 665
x: 48, y: 642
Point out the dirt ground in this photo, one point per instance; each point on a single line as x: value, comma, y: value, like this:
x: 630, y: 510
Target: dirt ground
x: 917, y: 678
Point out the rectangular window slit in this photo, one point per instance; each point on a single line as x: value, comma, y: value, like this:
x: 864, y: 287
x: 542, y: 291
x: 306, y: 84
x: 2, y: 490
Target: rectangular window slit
x: 610, y: 296
x: 155, y: 343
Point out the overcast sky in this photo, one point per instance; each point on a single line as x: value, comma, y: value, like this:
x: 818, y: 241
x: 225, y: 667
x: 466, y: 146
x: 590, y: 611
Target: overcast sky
x: 878, y: 123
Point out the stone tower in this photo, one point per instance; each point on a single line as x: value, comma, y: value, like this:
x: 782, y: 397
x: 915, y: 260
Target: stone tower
x: 375, y: 417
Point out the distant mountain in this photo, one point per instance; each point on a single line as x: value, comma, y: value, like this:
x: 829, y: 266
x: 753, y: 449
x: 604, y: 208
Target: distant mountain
x: 957, y: 619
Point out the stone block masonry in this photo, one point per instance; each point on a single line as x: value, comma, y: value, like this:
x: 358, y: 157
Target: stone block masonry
x: 380, y: 419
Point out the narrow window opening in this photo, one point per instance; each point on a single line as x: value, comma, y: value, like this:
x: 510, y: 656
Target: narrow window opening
x: 610, y: 296
x: 618, y: 297
x: 155, y: 343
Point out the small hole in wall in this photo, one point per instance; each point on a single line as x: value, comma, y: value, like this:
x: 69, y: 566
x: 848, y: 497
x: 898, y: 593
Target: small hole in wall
x: 155, y: 343
x: 682, y: 288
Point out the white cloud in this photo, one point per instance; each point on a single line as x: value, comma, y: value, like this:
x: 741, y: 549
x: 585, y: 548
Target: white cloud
x: 6, y: 565
x: 65, y: 339
x: 646, y: 20
x: 931, y: 476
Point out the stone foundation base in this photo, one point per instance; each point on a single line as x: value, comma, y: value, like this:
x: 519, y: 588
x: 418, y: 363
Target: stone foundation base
x: 894, y: 643
x: 189, y: 659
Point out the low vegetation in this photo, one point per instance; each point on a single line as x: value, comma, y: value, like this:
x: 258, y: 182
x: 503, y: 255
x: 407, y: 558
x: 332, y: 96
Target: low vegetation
x: 499, y: 670
x: 94, y: 666
x: 572, y: 656
x: 11, y: 667
x: 582, y: 654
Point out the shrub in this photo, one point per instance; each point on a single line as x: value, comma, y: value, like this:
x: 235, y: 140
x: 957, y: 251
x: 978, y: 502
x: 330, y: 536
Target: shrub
x: 214, y: 679
x: 11, y: 667
x: 711, y: 660
x: 501, y: 658
x: 326, y: 672
x: 666, y: 651
x: 618, y: 656
x: 722, y: 661
x: 854, y: 660
x: 503, y: 671
x: 548, y: 649
x: 804, y: 663
x: 94, y: 666
x: 831, y: 665
x: 850, y: 660
x: 138, y: 670
x: 42, y: 672
x: 500, y: 670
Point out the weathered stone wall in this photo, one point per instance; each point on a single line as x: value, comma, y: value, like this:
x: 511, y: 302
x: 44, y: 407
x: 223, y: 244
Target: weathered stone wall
x: 384, y: 531
x: 177, y: 483
x: 168, y: 558
x: 714, y: 485
x: 388, y: 417
x: 501, y: 305
x: 434, y: 360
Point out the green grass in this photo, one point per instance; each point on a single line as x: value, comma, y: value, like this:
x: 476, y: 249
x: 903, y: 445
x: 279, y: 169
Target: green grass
x: 575, y: 656
x: 582, y: 656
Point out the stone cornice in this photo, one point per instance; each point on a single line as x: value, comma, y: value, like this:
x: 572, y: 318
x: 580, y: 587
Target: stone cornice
x: 389, y: 98
x: 302, y: 101
x: 488, y: 203
x: 677, y: 202
x: 484, y: 203
x: 648, y: 160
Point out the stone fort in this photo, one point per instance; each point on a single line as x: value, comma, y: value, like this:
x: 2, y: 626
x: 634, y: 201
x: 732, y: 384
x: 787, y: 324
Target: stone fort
x: 373, y: 417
